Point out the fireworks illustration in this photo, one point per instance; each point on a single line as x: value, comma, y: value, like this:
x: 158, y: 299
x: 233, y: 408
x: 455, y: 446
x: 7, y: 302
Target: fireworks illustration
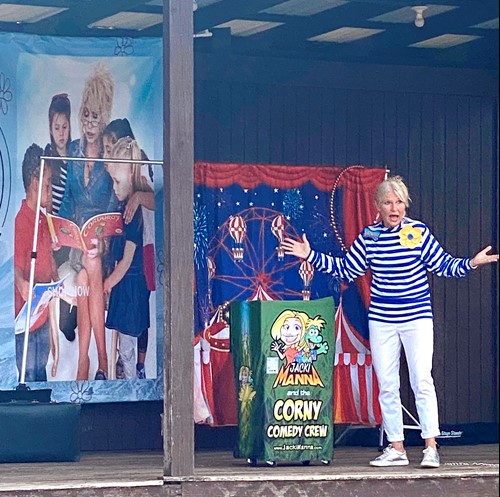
x: 292, y: 204
x: 200, y: 235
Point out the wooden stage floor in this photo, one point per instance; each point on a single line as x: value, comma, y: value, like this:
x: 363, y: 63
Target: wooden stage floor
x: 465, y: 470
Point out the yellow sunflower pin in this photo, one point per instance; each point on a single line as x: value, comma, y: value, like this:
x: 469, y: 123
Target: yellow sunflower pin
x: 410, y: 237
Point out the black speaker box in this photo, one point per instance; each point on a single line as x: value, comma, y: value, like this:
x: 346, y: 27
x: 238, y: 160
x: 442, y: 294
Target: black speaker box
x: 25, y: 395
x: 36, y: 432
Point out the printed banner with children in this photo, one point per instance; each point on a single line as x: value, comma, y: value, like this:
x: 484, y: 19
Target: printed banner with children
x: 78, y: 102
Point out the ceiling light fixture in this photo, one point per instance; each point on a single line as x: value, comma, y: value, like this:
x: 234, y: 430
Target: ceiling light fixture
x: 128, y: 20
x: 206, y: 33
x: 419, y: 15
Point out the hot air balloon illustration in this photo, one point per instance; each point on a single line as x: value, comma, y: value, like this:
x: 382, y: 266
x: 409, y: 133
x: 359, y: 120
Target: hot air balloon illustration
x: 277, y: 229
x: 237, y: 230
x: 306, y: 272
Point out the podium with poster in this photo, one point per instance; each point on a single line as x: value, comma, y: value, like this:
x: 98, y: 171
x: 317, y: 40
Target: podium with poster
x: 283, y: 354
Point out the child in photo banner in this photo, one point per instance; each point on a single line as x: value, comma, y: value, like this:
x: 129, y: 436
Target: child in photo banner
x: 89, y: 192
x: 45, y: 267
x: 60, y: 138
x: 120, y: 128
x: 128, y: 310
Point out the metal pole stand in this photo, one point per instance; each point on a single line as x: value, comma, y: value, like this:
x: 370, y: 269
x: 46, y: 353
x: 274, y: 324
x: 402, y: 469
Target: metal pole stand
x: 348, y: 429
x: 415, y: 426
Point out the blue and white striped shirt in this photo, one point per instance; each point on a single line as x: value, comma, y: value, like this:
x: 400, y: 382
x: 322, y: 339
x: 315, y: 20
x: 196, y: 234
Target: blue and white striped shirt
x: 400, y: 287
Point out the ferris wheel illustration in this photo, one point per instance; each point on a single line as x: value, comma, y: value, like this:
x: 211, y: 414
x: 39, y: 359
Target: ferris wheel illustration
x: 246, y: 260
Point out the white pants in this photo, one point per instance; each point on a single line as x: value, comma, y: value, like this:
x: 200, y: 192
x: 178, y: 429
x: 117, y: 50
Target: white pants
x: 417, y: 338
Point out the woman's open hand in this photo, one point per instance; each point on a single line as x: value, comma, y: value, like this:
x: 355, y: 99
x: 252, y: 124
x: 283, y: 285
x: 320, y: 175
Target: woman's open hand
x: 483, y: 257
x: 298, y: 248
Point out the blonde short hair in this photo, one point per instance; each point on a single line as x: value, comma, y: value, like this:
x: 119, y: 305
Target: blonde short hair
x: 393, y: 184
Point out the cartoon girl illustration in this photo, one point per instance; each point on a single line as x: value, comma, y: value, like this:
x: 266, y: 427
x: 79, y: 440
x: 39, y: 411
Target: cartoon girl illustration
x: 288, y: 334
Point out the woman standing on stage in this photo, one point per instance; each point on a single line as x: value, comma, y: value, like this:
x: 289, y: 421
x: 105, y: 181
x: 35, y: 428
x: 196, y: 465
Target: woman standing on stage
x: 398, y: 251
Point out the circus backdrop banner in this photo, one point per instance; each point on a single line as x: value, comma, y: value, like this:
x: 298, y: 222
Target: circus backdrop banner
x: 122, y: 78
x: 241, y: 214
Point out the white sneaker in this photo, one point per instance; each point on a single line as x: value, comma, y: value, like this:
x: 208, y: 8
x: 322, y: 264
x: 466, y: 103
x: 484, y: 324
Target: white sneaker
x: 391, y: 457
x: 431, y: 458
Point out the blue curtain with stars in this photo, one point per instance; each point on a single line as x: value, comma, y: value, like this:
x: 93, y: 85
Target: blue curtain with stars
x: 241, y: 213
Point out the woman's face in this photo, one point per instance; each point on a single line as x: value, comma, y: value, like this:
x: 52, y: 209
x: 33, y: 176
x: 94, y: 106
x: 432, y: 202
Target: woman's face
x: 59, y: 130
x: 91, y: 124
x: 108, y: 141
x: 291, y: 331
x: 392, y: 210
x: 121, y: 174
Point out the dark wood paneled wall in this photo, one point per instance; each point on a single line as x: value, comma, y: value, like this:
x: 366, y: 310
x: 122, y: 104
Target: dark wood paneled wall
x: 436, y: 128
x: 121, y: 426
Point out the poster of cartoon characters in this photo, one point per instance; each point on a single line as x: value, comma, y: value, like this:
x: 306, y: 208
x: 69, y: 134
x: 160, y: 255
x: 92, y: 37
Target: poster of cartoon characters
x: 283, y: 354
x: 78, y: 102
